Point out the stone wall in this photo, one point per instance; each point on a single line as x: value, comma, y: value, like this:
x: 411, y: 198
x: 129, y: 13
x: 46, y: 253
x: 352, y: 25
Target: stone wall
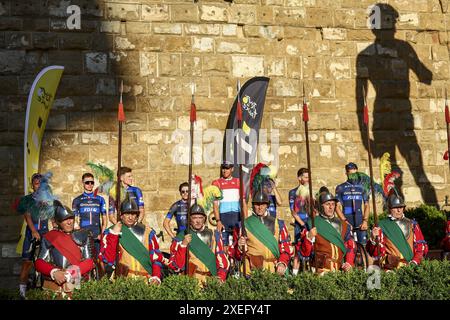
x: 159, y: 47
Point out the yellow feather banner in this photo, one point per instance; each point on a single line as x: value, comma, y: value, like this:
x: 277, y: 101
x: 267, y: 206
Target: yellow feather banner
x: 40, y: 101
x: 385, y: 165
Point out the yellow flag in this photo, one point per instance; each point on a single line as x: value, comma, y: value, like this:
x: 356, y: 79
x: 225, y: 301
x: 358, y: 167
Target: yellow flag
x: 40, y: 101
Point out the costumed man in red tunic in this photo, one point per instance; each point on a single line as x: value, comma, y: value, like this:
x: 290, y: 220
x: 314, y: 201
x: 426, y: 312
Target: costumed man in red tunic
x: 330, y: 239
x: 267, y: 245
x: 65, y: 255
x: 137, y: 247
x: 206, y: 251
x: 397, y: 241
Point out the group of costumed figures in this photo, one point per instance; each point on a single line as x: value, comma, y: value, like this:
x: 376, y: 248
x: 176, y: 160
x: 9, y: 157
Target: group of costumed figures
x: 80, y: 246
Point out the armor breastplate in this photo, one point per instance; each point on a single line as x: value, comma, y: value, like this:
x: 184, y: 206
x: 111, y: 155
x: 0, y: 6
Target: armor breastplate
x: 269, y: 222
x: 138, y: 230
x: 206, y: 236
x: 335, y: 222
x: 58, y: 259
x: 405, y: 226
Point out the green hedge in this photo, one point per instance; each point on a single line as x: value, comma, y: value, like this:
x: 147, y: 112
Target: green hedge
x: 431, y: 220
x: 430, y: 280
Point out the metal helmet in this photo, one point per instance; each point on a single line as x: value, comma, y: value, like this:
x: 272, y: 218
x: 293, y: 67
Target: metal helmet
x: 197, y: 209
x: 260, y: 197
x: 326, y: 196
x: 395, y: 201
x: 62, y: 212
x: 129, y: 206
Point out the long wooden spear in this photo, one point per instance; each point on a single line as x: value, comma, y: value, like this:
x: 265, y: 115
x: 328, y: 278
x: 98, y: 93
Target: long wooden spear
x: 193, y: 118
x: 369, y: 154
x: 447, y: 120
x: 121, y: 119
x: 241, y: 181
x: 308, y: 157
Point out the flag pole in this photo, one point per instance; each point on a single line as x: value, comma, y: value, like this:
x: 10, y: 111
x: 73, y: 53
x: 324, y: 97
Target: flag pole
x: 369, y: 154
x: 447, y: 120
x: 121, y: 119
x: 308, y: 157
x: 241, y: 181
x: 193, y: 118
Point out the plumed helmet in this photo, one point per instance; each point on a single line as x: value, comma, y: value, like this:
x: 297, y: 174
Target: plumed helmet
x: 326, y: 196
x: 197, y: 209
x: 62, y: 212
x: 129, y: 206
x: 260, y: 197
x: 395, y: 201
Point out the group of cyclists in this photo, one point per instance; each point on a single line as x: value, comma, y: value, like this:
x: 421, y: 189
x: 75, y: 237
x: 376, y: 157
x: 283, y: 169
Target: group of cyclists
x: 233, y: 241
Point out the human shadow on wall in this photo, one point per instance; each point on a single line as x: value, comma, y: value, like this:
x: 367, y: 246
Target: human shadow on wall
x: 386, y: 64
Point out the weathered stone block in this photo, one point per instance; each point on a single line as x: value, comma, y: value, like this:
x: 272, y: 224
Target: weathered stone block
x: 213, y: 13
x: 162, y: 122
x: 45, y: 40
x: 217, y: 64
x: 80, y: 121
x: 184, y: 87
x: 229, y: 30
x: 294, y: 17
x: 18, y: 40
x: 224, y: 46
x: 8, y: 85
x: 202, y: 29
x: 275, y: 66
x: 110, y: 26
x: 105, y: 86
x: 135, y: 27
x: 247, y: 66
x: 287, y: 87
x: 177, y: 44
x: 123, y: 11
x: 159, y: 86
x: 127, y: 64
x: 202, y: 44
x: 155, y: 12
x: 75, y: 41
x: 96, y: 62
x: 184, y: 13
x: 191, y: 65
x: 11, y: 61
x: 242, y: 14
x: 265, y: 15
x: 167, y: 28
x: 148, y: 63
x: 122, y: 43
x: 169, y: 64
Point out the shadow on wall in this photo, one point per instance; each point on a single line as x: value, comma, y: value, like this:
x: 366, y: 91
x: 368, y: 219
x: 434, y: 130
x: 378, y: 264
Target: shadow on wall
x: 386, y: 65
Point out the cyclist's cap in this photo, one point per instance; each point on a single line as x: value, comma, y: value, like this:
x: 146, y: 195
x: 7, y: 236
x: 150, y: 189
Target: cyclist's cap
x: 350, y: 166
x: 36, y: 176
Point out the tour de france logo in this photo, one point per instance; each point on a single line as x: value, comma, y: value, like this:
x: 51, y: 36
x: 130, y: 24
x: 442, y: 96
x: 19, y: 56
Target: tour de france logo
x: 250, y: 106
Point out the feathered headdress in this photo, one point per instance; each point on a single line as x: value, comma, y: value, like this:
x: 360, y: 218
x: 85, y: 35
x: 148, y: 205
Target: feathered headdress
x: 260, y: 175
x: 388, y: 176
x: 44, y: 198
x: 106, y: 180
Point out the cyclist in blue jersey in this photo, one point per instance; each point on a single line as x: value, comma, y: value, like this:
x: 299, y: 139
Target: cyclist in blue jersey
x: 179, y: 210
x: 354, y: 201
x: 90, y: 211
x: 134, y: 193
x: 36, y: 228
x: 271, y: 190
